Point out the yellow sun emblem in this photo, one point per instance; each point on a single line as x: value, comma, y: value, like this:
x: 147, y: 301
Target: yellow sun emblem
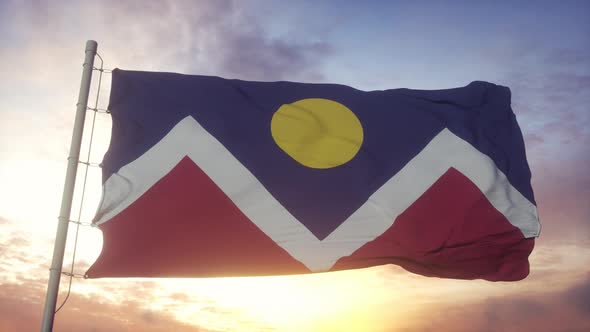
x: 317, y: 133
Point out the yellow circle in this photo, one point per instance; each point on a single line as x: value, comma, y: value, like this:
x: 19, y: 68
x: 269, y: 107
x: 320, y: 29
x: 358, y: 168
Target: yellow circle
x: 317, y: 133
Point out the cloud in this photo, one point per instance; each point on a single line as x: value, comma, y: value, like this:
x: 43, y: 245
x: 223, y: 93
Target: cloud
x: 550, y: 86
x: 255, y: 57
x: 534, y: 140
x: 179, y: 297
x: 18, y: 240
x: 21, y: 308
x: 562, y: 188
x: 201, y: 37
x: 566, y: 310
x: 567, y: 56
x: 14, y: 247
x: 222, y: 38
x: 579, y: 297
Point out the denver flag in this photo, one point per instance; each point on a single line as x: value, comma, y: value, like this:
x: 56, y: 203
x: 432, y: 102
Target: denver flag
x: 208, y: 177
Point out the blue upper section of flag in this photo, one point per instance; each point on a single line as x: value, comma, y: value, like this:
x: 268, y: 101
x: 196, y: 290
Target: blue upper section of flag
x: 397, y: 125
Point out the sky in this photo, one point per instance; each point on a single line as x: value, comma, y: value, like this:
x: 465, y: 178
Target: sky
x: 540, y: 49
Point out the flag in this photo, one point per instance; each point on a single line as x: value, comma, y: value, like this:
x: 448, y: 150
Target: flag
x: 207, y: 177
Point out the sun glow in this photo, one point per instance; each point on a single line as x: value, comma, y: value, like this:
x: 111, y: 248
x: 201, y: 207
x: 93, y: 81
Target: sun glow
x: 335, y: 301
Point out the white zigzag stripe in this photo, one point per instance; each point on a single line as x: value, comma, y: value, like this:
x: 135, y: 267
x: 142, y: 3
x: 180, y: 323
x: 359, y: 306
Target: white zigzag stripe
x: 372, y: 219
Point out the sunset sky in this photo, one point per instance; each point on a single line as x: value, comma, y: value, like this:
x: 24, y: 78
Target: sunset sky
x: 540, y: 49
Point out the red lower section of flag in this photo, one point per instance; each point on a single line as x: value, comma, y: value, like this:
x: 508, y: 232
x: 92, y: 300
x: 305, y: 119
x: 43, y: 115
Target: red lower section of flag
x: 185, y: 226
x: 451, y: 231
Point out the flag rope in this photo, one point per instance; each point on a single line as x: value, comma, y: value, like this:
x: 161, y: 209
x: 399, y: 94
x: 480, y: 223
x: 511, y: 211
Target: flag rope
x: 98, y: 110
x: 77, y: 222
x: 102, y: 70
x: 88, y: 164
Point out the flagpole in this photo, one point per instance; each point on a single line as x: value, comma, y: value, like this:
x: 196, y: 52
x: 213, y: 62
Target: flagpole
x: 68, y: 193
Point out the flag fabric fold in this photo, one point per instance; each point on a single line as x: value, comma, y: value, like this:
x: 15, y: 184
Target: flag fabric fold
x: 206, y: 176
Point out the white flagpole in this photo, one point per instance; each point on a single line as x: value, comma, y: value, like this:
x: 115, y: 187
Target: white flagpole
x: 66, y: 201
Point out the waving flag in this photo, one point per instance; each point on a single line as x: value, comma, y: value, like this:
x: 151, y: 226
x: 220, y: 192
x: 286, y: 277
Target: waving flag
x: 214, y: 177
